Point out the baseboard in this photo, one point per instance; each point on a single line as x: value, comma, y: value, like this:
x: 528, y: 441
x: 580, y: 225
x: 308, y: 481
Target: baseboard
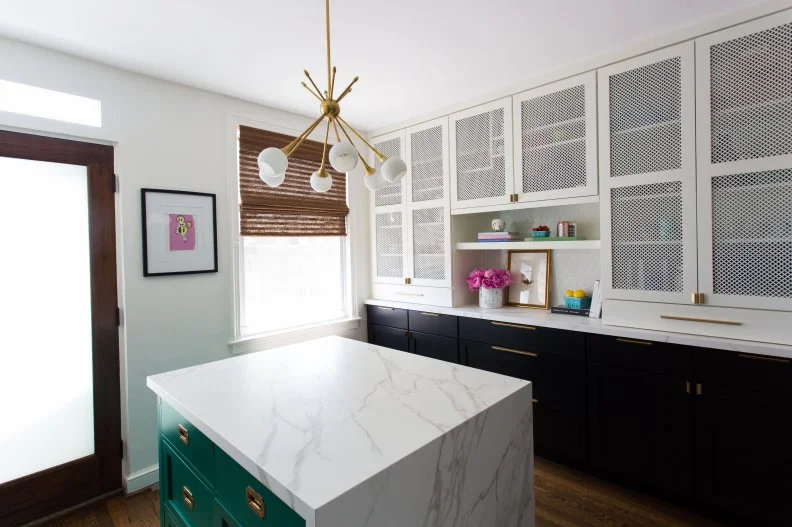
x: 142, y: 479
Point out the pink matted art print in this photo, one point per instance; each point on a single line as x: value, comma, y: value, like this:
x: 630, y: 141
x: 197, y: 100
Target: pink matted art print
x: 182, y: 232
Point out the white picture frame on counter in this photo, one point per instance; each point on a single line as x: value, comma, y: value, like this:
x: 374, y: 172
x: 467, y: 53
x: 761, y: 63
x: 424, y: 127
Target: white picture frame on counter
x: 530, y: 271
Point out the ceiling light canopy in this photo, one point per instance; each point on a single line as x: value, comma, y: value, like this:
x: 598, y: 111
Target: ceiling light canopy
x: 344, y: 156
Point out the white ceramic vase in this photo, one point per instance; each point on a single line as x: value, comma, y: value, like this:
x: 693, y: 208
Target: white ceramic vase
x: 490, y: 298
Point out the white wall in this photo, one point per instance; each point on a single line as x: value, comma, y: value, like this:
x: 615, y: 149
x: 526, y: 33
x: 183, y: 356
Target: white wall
x: 173, y: 137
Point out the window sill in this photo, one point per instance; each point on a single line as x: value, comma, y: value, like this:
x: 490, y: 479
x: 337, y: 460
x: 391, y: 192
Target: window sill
x: 284, y: 337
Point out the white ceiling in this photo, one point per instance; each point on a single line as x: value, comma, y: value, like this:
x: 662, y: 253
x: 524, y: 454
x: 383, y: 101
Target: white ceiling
x: 413, y: 56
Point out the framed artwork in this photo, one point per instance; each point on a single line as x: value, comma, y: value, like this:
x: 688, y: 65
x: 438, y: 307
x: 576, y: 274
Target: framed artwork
x: 531, y: 273
x: 179, y: 232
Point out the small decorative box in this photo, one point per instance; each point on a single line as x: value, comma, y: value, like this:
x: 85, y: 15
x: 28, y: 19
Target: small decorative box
x: 540, y: 234
x: 577, y: 303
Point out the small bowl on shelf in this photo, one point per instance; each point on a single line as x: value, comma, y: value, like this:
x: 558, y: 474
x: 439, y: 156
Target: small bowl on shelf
x: 577, y: 303
x: 540, y: 234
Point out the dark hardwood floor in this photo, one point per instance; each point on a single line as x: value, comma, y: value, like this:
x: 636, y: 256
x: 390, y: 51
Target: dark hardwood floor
x: 564, y: 498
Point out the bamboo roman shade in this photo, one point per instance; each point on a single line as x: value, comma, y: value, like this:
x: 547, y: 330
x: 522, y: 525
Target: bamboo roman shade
x: 294, y: 208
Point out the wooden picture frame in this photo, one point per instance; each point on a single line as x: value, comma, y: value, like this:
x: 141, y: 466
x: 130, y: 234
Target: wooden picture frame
x: 179, y: 232
x: 529, y: 291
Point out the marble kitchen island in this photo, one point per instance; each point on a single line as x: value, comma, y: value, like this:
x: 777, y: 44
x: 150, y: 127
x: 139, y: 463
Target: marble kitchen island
x: 347, y: 434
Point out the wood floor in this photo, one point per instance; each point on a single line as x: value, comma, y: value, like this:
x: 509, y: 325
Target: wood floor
x: 564, y: 498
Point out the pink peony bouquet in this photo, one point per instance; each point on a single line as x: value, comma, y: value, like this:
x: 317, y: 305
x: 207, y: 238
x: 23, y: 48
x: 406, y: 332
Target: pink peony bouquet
x: 489, y: 279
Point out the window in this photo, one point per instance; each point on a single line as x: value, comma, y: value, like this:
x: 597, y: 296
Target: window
x: 40, y: 102
x: 293, y: 246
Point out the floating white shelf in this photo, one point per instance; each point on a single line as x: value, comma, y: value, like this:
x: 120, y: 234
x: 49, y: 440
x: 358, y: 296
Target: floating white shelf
x: 517, y: 246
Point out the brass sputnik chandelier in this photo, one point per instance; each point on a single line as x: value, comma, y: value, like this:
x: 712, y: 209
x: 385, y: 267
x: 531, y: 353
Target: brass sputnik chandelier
x: 344, y: 157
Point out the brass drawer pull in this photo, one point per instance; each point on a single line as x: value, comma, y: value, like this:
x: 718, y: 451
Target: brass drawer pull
x: 704, y: 320
x: 530, y: 328
x: 633, y: 341
x: 255, y: 502
x: 430, y: 314
x: 385, y: 308
x: 407, y: 294
x: 188, y: 498
x: 184, y: 435
x: 765, y: 359
x: 516, y: 352
x: 535, y: 401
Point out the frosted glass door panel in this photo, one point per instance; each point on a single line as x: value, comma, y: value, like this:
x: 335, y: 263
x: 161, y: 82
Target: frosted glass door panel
x: 46, y: 387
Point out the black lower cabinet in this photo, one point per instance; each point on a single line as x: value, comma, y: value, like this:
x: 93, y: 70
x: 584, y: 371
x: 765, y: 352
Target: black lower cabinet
x: 388, y: 337
x: 434, y: 346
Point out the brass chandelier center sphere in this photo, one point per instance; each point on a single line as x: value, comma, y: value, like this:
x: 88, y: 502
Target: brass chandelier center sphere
x: 330, y: 108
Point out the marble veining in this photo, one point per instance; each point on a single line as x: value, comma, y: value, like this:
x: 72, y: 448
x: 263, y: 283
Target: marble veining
x: 543, y: 318
x: 335, y: 425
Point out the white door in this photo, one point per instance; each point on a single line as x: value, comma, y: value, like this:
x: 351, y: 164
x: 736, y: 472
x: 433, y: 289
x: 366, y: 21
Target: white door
x: 481, y: 155
x: 389, y: 218
x: 555, y: 140
x: 744, y: 96
x: 648, y: 170
x: 429, y: 215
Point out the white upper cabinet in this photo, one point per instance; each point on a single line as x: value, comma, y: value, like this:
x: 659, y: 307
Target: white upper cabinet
x: 481, y: 155
x: 429, y: 215
x: 744, y: 83
x: 389, y: 221
x: 555, y: 138
x: 648, y: 176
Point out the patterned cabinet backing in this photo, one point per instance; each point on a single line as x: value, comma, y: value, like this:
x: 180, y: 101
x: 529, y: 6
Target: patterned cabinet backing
x: 389, y: 247
x: 745, y: 164
x: 481, y: 155
x: 428, y: 162
x: 648, y: 176
x: 390, y: 193
x: 555, y: 133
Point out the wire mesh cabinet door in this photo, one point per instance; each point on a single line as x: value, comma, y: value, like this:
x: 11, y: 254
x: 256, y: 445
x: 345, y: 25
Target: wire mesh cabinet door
x: 648, y: 177
x: 389, y: 218
x: 481, y: 155
x: 744, y: 112
x: 428, y: 204
x: 555, y: 138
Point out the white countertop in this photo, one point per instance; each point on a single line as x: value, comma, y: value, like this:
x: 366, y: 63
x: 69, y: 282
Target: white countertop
x: 316, y: 419
x: 544, y: 318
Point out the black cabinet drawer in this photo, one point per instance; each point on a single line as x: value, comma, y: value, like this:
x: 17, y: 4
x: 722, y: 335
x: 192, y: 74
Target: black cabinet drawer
x: 560, y: 430
x: 387, y: 316
x: 640, y: 355
x: 568, y: 344
x: 757, y: 373
x: 388, y: 337
x: 433, y: 323
x: 550, y: 376
x: 434, y: 346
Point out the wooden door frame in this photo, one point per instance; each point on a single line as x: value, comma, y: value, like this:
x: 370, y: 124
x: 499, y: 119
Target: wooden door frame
x: 57, y: 488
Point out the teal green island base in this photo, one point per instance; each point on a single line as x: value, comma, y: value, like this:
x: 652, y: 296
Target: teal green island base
x: 201, y: 486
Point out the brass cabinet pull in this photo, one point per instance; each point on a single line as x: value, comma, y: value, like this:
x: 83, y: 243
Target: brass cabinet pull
x: 530, y: 328
x: 535, y: 401
x: 430, y: 314
x: 386, y: 308
x: 704, y: 320
x: 184, y: 435
x: 255, y: 502
x: 762, y: 358
x: 633, y: 341
x: 188, y: 498
x: 699, y: 388
x: 407, y: 294
x: 517, y: 352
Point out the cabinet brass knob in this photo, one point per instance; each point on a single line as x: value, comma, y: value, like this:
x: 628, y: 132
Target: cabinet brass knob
x: 184, y: 435
x: 255, y: 502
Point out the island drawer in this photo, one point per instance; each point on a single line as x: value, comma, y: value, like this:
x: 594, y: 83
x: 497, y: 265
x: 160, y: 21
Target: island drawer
x: 550, y: 376
x: 247, y: 499
x: 566, y: 344
x: 640, y: 355
x: 387, y: 316
x: 759, y: 373
x: 433, y: 323
x: 184, y: 491
x: 187, y: 440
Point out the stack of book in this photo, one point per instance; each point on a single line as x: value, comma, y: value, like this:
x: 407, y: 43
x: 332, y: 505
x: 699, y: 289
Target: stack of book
x: 498, y: 236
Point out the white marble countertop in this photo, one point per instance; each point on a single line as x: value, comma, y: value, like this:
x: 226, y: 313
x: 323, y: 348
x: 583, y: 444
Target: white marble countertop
x: 544, y: 318
x: 316, y: 419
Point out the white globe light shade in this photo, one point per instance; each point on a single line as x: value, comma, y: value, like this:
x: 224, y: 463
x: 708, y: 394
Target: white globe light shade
x: 375, y: 181
x: 343, y: 157
x: 272, y: 181
x: 393, y: 169
x: 319, y: 183
x: 272, y: 162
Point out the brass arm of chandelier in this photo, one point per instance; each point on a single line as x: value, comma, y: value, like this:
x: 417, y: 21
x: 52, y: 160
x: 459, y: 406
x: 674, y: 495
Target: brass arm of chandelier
x: 311, y: 91
x: 332, y: 82
x: 318, y: 91
x: 335, y: 127
x: 322, y: 169
x: 295, y: 144
x: 369, y: 169
x: 348, y: 89
x: 377, y: 153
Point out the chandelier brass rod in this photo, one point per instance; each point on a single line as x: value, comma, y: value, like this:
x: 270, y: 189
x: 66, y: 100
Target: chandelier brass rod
x: 335, y: 127
x: 377, y: 153
x: 294, y: 145
x: 311, y: 91
x: 322, y: 172
x: 327, y: 18
x: 332, y: 82
x: 318, y: 91
x: 348, y: 89
x: 369, y: 169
